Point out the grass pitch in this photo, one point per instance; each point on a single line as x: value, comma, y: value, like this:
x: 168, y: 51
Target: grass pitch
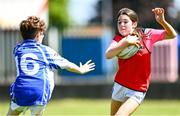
x: 101, y: 107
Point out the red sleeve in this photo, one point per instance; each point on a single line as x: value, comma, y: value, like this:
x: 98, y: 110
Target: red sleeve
x: 117, y: 38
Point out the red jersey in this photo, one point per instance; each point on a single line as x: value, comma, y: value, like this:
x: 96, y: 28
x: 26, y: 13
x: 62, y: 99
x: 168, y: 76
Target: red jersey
x: 135, y: 72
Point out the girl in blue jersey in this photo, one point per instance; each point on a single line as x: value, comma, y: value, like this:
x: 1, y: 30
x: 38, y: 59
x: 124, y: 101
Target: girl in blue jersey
x: 35, y: 63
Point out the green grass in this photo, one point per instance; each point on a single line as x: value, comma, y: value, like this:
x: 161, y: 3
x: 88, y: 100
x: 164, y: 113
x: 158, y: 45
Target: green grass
x: 101, y: 107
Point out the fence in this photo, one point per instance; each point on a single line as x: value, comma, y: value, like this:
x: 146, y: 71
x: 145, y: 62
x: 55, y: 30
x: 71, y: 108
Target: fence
x: 164, y: 57
x: 165, y: 61
x: 82, y: 44
x: 8, y: 40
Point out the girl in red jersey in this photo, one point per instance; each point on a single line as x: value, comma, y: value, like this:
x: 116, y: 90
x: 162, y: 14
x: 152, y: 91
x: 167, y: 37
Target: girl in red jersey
x: 133, y: 76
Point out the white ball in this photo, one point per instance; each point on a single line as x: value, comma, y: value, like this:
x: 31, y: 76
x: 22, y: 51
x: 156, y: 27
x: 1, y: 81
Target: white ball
x: 130, y: 50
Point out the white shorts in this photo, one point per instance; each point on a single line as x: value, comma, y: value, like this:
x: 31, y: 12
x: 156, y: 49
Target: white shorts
x: 121, y: 93
x: 35, y: 109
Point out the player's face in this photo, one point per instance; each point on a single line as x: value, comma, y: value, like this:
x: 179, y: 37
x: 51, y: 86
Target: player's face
x: 125, y: 25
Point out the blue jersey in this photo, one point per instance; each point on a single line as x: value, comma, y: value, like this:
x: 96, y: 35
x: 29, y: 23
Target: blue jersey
x: 35, y: 78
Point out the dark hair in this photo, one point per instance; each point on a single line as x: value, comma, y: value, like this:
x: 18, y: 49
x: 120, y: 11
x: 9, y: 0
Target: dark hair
x: 134, y: 18
x: 30, y: 27
x: 130, y: 13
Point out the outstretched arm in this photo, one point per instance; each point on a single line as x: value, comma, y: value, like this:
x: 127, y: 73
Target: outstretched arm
x: 159, y: 16
x: 56, y: 61
x: 82, y: 69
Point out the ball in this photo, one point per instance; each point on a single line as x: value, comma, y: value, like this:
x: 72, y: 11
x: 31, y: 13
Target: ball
x: 130, y: 50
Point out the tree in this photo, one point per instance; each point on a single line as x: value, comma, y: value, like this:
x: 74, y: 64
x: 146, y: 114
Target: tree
x: 58, y: 14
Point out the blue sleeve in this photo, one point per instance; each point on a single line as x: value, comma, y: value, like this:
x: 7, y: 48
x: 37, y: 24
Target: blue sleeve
x: 55, y: 60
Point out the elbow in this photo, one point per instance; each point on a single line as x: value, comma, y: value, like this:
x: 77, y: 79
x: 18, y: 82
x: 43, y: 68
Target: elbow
x: 171, y: 36
x: 175, y: 35
x: 108, y: 56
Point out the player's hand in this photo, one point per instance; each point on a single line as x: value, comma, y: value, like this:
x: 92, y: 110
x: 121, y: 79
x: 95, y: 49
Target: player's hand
x: 87, y: 67
x: 159, y: 14
x: 133, y: 40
